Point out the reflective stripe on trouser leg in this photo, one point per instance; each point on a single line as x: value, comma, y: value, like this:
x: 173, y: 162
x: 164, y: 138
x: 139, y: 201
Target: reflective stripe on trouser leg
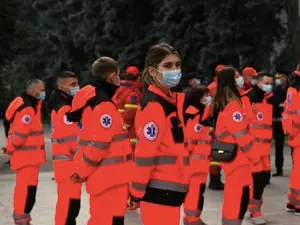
x: 109, y: 207
x: 68, y: 202
x: 25, y: 190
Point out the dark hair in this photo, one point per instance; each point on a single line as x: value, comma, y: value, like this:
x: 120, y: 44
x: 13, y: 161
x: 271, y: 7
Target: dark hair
x: 295, y: 79
x: 226, y: 89
x: 263, y: 74
x: 155, y: 55
x: 195, y: 94
x: 103, y: 66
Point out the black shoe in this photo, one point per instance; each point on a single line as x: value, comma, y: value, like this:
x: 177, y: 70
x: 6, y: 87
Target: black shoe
x: 278, y: 174
x: 215, y: 183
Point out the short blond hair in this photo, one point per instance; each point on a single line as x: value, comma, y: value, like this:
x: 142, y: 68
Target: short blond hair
x: 104, y: 66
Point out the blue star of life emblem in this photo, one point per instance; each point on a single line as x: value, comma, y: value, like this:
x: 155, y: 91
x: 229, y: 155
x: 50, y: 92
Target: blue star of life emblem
x: 26, y: 119
x: 197, y: 127
x: 106, y: 121
x: 260, y: 116
x: 237, y: 117
x: 150, y: 131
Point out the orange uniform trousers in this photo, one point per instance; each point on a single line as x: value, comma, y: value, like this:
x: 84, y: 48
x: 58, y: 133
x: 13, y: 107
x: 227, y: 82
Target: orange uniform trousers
x: 194, y: 200
x: 159, y: 214
x: 25, y: 193
x: 260, y: 174
x: 236, y: 194
x: 294, y: 193
x: 68, y: 202
x: 109, y: 207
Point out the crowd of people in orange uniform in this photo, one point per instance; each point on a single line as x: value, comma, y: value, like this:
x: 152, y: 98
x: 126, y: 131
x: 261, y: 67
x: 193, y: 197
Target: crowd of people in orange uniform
x: 137, y: 144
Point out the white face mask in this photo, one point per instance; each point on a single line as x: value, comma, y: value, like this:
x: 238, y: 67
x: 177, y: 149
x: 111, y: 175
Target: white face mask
x: 267, y: 88
x: 253, y: 82
x: 170, y: 78
x: 239, y: 81
x: 278, y: 82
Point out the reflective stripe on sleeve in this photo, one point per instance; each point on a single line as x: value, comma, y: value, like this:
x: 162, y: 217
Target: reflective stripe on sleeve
x: 108, y: 161
x: 27, y: 148
x: 263, y: 140
x: 20, y: 135
x: 247, y: 147
x: 261, y: 126
x: 199, y: 142
x: 63, y: 139
x: 105, y: 145
x: 84, y: 143
x: 240, y: 133
x: 130, y: 106
x: 36, y: 133
x: 222, y: 135
x: 158, y: 160
x: 121, y: 110
x: 88, y: 161
x: 61, y: 158
x: 167, y: 185
x: 199, y: 156
x: 296, y: 112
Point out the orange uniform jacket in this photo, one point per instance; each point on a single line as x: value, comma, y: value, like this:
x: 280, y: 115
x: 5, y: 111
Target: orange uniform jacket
x: 105, y: 155
x: 259, y: 115
x: 232, y: 127
x: 25, y: 142
x: 291, y: 116
x: 161, y: 174
x: 199, y: 143
x: 63, y: 136
x: 127, y: 99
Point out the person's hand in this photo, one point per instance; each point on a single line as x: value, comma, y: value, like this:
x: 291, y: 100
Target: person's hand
x: 4, y: 150
x: 77, y: 179
x: 132, y: 204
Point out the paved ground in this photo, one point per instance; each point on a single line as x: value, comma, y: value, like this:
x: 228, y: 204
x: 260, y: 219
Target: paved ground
x: 273, y: 208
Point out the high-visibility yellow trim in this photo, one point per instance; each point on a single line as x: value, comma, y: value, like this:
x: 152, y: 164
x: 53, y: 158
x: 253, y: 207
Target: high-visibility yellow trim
x: 130, y: 106
x: 133, y: 140
x: 121, y: 110
x: 215, y: 164
x: 127, y: 125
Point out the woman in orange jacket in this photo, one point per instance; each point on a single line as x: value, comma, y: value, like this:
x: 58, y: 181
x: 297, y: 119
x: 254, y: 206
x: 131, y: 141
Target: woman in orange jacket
x: 199, y: 146
x: 232, y: 145
x: 161, y: 180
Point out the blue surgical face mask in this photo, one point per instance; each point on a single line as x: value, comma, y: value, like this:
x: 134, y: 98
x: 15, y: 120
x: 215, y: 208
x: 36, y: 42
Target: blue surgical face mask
x: 42, y: 96
x: 267, y: 88
x: 253, y: 82
x: 239, y: 81
x: 74, y: 90
x: 278, y: 82
x: 207, y: 100
x: 170, y: 78
x: 198, y: 82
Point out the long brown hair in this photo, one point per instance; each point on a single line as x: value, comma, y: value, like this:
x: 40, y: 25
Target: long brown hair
x: 155, y: 55
x: 226, y: 90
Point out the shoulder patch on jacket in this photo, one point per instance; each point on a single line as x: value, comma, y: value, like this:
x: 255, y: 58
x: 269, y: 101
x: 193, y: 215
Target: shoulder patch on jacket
x: 13, y: 107
x: 82, y: 97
